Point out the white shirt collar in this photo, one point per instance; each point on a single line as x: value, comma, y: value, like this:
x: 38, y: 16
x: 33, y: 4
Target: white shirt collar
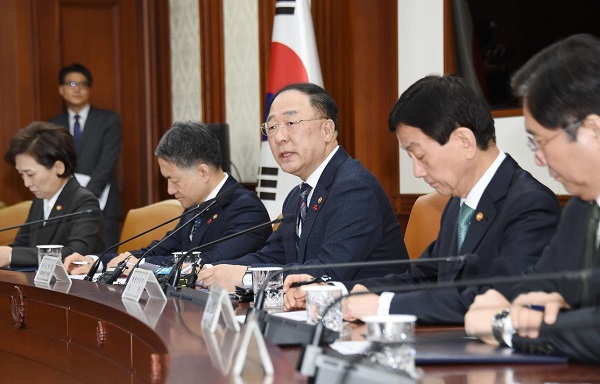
x: 83, y: 114
x: 472, y: 199
x: 215, y: 191
x: 49, y: 203
x: 313, y: 179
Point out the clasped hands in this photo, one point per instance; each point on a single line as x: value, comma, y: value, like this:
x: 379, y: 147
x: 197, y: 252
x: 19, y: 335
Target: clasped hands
x: 354, y: 307
x: 527, y: 312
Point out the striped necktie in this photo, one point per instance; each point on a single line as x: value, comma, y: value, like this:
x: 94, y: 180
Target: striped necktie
x: 302, y: 204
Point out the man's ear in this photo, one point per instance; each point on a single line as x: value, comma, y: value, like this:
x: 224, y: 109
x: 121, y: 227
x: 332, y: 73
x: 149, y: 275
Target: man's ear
x: 466, y: 140
x: 329, y: 131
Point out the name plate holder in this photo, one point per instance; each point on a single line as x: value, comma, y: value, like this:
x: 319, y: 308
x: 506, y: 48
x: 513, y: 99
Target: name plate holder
x: 51, y: 266
x: 140, y: 280
x: 218, y: 304
x: 252, y: 330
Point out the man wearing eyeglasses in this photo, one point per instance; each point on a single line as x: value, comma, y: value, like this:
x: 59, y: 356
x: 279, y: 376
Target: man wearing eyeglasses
x: 97, y: 136
x: 560, y: 89
x: 341, y: 212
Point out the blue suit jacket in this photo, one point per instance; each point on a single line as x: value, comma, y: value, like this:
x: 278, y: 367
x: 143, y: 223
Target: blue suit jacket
x: 242, y: 211
x: 515, y: 219
x: 349, y: 218
x: 81, y: 234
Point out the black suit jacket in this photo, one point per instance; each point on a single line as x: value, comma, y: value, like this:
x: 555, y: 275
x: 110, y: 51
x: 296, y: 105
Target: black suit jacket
x: 576, y: 334
x: 81, y: 234
x: 514, y: 220
x: 244, y: 210
x: 349, y: 218
x: 98, y: 154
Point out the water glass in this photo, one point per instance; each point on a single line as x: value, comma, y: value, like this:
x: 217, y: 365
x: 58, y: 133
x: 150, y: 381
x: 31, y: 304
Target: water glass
x: 273, y: 297
x: 49, y: 250
x: 392, y: 340
x: 318, y: 298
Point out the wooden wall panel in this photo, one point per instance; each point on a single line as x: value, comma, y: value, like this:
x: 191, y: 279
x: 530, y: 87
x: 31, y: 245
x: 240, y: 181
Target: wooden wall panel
x: 125, y: 43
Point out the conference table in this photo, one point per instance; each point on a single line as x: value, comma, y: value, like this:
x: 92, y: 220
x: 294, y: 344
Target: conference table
x: 84, y: 332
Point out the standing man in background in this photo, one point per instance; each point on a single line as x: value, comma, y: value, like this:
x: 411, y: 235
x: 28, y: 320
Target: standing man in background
x: 97, y: 137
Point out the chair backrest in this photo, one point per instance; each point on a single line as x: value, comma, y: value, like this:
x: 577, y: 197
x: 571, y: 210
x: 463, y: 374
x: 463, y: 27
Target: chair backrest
x: 13, y: 215
x: 141, y: 219
x: 424, y: 223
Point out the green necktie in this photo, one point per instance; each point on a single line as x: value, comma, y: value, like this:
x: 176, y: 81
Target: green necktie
x: 465, y: 214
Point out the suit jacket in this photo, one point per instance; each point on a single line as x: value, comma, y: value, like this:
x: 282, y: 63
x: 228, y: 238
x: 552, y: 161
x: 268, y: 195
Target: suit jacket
x: 566, y: 252
x: 81, y: 234
x: 576, y: 335
x: 98, y: 154
x: 244, y: 210
x: 349, y: 218
x: 514, y: 220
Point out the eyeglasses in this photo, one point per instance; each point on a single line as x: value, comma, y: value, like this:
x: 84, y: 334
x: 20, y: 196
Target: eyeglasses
x: 80, y: 84
x: 269, y: 129
x: 570, y: 130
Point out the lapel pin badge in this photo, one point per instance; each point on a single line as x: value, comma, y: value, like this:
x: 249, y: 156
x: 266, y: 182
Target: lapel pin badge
x: 320, y: 200
x: 315, y: 207
x: 479, y: 216
x: 59, y: 208
x: 215, y: 216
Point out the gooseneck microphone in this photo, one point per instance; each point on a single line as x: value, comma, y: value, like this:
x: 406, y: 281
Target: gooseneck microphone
x: 93, y: 211
x: 173, y: 277
x: 110, y: 277
x: 96, y: 265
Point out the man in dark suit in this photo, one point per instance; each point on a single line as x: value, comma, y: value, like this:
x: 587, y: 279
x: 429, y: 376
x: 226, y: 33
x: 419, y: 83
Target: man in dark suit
x: 448, y: 132
x: 342, y: 212
x: 189, y: 158
x: 97, y: 136
x: 560, y: 88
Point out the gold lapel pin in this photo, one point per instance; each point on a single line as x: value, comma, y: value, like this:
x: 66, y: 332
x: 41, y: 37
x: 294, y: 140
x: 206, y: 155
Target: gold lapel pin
x: 479, y: 216
x: 59, y: 208
x: 215, y: 216
x: 319, y: 200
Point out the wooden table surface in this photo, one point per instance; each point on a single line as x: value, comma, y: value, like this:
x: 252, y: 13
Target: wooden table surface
x: 86, y: 333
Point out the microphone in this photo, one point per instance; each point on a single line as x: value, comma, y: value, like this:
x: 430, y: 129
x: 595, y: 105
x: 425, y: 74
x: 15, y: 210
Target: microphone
x: 176, y: 270
x: 282, y: 331
x: 331, y: 367
x: 224, y: 197
x: 96, y: 265
x: 92, y: 211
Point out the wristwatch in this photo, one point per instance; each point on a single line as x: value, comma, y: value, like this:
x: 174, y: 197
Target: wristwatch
x: 247, y: 279
x: 498, y: 323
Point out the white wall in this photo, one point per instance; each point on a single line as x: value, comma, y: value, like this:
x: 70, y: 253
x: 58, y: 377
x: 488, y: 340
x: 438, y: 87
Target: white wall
x: 420, y: 53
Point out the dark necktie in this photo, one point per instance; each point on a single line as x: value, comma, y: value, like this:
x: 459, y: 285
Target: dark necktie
x: 302, y: 204
x: 196, y: 225
x: 76, y: 132
x: 590, y: 251
x: 465, y: 214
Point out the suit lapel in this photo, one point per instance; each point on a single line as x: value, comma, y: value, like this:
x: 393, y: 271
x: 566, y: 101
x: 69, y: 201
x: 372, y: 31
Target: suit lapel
x: 486, y: 209
x: 88, y: 129
x: 318, y: 199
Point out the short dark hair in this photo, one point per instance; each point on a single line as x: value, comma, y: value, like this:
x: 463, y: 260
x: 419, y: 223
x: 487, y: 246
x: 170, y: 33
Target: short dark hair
x: 437, y: 105
x: 46, y: 143
x: 561, y: 83
x: 62, y: 75
x: 187, y: 144
x: 319, y: 98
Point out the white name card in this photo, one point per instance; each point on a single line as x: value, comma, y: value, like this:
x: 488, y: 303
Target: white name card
x: 140, y: 280
x: 51, y: 266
